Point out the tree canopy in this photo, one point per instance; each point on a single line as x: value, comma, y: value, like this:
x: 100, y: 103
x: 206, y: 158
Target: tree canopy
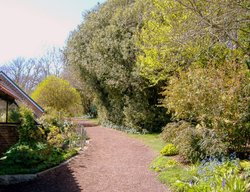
x: 180, y: 33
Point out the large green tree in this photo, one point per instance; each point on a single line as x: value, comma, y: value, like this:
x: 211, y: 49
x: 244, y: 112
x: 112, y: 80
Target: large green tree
x: 103, y: 50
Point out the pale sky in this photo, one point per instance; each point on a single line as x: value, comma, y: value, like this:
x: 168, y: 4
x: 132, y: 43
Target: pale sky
x: 29, y: 27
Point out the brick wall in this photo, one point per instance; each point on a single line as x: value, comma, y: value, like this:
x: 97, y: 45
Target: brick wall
x: 8, y: 136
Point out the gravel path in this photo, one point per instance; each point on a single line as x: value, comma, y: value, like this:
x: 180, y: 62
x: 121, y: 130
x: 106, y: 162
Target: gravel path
x: 112, y: 162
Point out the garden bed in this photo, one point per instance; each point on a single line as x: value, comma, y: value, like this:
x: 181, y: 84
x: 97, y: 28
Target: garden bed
x: 228, y: 174
x: 19, y: 178
x: 23, y: 175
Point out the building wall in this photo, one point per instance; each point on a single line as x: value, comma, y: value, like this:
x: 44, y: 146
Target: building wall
x: 8, y: 136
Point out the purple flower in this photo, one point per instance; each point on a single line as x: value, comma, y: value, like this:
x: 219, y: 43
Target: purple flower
x: 191, y: 182
x: 224, y: 183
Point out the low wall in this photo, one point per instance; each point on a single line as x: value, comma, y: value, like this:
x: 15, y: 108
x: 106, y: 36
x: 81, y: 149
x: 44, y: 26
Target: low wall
x: 8, y: 136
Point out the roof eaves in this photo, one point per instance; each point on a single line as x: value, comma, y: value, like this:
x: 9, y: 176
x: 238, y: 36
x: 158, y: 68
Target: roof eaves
x: 22, y: 92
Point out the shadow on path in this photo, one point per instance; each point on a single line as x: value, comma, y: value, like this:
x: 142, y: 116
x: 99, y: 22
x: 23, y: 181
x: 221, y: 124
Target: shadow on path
x: 59, y: 180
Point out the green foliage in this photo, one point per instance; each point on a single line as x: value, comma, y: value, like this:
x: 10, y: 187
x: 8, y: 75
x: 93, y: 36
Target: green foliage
x: 169, y: 150
x: 92, y: 112
x: 27, y: 159
x: 26, y: 155
x: 59, y: 132
x: 245, y: 165
x: 171, y: 171
x: 55, y: 137
x: 194, y: 143
x: 201, y: 57
x: 28, y: 131
x: 57, y: 93
x: 178, y: 34
x: 216, y: 176
x: 103, y: 50
x: 216, y: 98
x: 213, y: 175
x: 39, y: 149
x: 161, y: 163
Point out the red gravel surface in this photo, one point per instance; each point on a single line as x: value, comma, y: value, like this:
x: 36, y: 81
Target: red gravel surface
x: 112, y: 162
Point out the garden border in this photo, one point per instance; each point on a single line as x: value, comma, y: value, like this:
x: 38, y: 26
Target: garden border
x: 20, y: 178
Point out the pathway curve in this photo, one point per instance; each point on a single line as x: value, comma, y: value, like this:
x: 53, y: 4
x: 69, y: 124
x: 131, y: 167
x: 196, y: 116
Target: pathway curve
x: 113, y: 162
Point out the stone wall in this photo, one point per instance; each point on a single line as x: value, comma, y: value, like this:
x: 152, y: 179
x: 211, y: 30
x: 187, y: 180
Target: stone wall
x: 8, y: 136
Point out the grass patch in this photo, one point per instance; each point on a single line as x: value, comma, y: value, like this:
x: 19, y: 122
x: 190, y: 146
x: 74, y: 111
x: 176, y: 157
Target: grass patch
x: 161, y: 163
x: 176, y: 173
x: 154, y: 141
x: 93, y: 120
x: 89, y: 119
x: 170, y: 171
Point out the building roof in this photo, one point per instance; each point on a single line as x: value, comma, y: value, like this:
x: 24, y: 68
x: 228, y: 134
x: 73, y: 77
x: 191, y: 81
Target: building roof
x: 13, y: 92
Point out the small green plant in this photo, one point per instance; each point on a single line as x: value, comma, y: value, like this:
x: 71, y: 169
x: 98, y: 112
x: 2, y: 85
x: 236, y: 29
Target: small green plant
x: 161, y: 163
x: 169, y: 150
x: 245, y: 165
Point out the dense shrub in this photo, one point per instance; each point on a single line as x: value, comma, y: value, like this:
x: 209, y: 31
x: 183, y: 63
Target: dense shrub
x: 60, y: 132
x: 172, y: 130
x: 54, y: 136
x: 204, y: 69
x: 194, y: 143
x: 28, y: 130
x: 57, y: 93
x: 169, y: 150
x: 216, y: 97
